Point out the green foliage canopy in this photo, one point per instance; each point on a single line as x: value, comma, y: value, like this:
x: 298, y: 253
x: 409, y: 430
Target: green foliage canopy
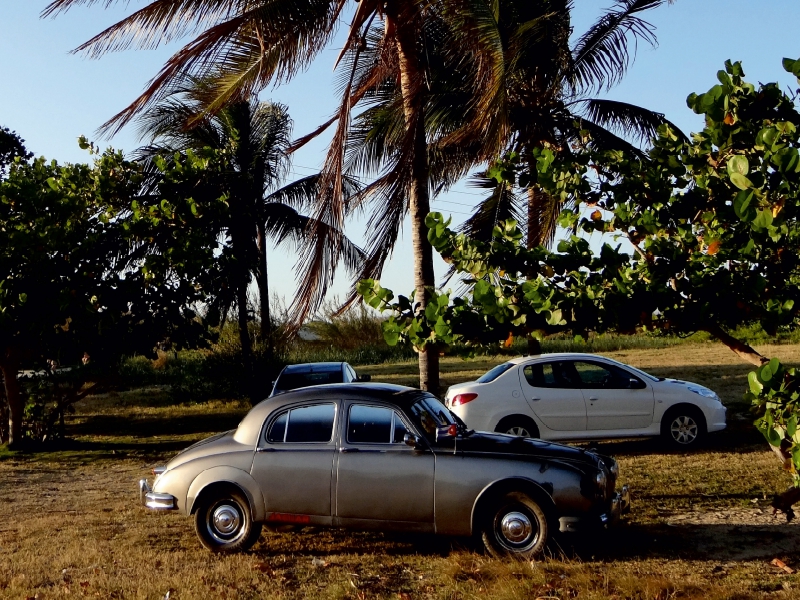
x: 706, y: 236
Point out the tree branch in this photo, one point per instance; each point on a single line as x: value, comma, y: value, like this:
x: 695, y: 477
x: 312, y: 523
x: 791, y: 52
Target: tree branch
x: 741, y: 349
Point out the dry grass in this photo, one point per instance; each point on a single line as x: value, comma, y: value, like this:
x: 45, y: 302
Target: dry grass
x: 700, y: 527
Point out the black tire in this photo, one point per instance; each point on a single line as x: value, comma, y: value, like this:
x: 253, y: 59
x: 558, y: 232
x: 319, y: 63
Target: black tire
x: 683, y: 427
x: 515, y: 525
x: 519, y: 426
x: 223, y: 522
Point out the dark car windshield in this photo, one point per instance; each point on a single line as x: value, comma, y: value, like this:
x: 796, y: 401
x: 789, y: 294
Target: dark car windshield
x: 291, y: 381
x: 429, y: 415
x: 494, y: 373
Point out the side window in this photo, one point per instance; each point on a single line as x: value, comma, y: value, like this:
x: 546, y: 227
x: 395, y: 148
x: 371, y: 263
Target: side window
x: 306, y: 424
x: 277, y: 431
x: 374, y: 425
x: 559, y: 374
x: 597, y: 376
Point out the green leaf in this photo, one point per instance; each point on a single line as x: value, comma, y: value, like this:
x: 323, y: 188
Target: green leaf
x: 23, y: 298
x: 738, y: 164
x: 755, y: 385
x: 774, y: 437
x: 740, y: 181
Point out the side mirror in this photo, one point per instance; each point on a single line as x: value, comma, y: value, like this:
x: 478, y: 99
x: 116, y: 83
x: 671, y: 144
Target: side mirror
x: 412, y: 440
x: 635, y: 384
x: 364, y: 378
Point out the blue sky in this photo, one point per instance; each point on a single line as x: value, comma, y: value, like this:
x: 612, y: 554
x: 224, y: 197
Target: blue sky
x: 51, y: 97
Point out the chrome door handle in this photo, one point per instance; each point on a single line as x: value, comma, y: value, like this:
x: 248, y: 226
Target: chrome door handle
x: 534, y: 399
x: 592, y: 399
x: 265, y: 449
x: 347, y: 450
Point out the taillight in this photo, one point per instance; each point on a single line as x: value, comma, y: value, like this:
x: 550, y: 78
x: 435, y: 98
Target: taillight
x: 460, y: 399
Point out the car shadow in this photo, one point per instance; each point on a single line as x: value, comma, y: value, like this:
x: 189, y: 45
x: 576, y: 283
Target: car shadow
x: 121, y: 426
x: 732, y: 542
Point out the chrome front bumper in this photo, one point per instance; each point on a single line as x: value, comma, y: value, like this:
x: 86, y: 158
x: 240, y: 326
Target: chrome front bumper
x: 620, y: 505
x: 155, y: 501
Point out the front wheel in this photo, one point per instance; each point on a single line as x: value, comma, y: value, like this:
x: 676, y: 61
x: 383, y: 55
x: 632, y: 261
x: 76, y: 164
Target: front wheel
x: 516, y: 525
x: 223, y: 522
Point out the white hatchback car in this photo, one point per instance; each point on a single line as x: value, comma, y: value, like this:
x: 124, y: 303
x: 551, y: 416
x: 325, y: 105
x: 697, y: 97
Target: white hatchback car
x: 585, y: 397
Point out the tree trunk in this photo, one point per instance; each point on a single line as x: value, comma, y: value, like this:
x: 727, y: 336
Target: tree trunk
x: 244, y: 336
x: 411, y: 79
x: 741, y: 349
x: 9, y: 368
x: 263, y: 287
x: 532, y: 240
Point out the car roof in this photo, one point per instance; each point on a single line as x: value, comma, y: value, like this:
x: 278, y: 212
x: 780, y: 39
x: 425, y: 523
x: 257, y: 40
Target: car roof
x: 388, y: 392
x: 557, y: 356
x: 318, y: 367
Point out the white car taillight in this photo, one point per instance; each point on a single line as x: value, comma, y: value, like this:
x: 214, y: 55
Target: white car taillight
x: 460, y: 399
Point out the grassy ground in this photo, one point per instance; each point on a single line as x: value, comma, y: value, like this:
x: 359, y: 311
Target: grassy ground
x: 700, y: 528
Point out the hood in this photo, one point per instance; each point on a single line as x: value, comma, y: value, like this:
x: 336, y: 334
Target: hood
x: 499, y: 443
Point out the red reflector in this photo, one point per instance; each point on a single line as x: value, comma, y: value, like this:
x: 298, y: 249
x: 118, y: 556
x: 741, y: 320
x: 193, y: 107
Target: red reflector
x: 460, y: 399
x: 452, y: 430
x: 289, y: 518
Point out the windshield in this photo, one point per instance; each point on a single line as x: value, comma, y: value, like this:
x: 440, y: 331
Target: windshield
x: 429, y: 415
x: 291, y: 381
x: 494, y: 373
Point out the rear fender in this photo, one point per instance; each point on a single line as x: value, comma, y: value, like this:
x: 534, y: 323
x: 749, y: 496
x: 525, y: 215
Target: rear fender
x: 228, y: 475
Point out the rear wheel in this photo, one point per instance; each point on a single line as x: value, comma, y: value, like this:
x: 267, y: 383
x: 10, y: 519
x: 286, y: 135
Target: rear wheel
x: 223, y: 522
x: 683, y: 427
x: 519, y: 426
x: 515, y: 525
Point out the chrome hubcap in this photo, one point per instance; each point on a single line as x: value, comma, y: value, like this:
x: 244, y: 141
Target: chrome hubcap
x: 226, y: 520
x: 516, y: 527
x: 519, y: 432
x: 684, y: 430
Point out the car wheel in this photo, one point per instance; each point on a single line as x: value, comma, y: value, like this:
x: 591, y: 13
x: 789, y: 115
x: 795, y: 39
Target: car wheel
x: 683, y: 427
x: 519, y: 426
x: 223, y: 522
x: 515, y: 526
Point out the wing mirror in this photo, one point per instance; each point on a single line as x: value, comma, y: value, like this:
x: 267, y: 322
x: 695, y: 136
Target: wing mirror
x: 635, y: 384
x: 412, y: 440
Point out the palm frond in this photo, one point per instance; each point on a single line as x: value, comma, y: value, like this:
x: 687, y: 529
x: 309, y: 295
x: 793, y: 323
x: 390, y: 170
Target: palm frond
x: 635, y: 122
x: 601, y: 56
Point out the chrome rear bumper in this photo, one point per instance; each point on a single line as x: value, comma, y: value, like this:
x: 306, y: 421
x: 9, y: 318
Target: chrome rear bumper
x: 155, y: 501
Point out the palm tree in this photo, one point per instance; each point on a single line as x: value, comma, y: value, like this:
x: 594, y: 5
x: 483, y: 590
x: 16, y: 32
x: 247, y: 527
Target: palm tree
x: 243, y: 46
x: 255, y: 137
x: 549, y: 104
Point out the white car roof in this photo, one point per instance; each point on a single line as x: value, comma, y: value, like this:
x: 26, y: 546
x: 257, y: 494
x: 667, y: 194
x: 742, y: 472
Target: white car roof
x: 558, y: 356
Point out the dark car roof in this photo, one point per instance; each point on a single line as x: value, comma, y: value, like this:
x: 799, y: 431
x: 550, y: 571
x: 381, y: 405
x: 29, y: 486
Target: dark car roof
x: 312, y: 367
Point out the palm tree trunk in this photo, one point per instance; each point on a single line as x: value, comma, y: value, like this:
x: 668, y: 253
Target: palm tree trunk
x: 263, y: 286
x: 532, y: 240
x: 9, y: 367
x: 411, y: 79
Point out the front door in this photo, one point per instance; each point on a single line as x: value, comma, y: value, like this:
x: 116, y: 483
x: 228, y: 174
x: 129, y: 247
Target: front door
x: 378, y: 476
x: 615, y: 399
x: 293, y: 464
x: 552, y: 390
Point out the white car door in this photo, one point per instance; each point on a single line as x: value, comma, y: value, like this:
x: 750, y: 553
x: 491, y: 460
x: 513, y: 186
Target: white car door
x: 615, y: 398
x: 552, y: 390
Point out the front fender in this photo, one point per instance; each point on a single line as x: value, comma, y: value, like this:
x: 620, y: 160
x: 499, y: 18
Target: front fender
x: 241, y: 479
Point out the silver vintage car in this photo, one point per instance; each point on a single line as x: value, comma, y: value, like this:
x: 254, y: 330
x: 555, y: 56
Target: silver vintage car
x: 379, y: 456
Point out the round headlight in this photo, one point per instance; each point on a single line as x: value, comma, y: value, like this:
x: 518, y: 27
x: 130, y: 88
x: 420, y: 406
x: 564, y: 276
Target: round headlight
x: 600, y: 479
x: 614, y: 469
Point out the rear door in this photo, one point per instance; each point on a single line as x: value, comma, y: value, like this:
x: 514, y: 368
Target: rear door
x: 293, y: 464
x: 552, y: 389
x: 615, y: 398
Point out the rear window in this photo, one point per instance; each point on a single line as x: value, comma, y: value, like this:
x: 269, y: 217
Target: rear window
x: 307, y: 424
x: 494, y: 373
x: 291, y: 381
